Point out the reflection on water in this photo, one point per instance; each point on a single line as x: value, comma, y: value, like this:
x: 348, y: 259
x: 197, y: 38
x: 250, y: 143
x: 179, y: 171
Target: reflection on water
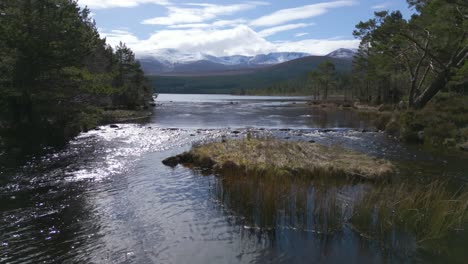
x: 106, y: 197
x: 294, y: 211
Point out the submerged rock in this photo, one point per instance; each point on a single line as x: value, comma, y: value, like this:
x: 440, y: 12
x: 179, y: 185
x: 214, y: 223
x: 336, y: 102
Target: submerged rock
x: 171, y: 161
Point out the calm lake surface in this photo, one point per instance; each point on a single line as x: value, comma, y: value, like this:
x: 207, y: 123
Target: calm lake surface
x: 107, y: 198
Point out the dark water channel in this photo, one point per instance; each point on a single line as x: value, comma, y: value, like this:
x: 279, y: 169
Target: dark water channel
x: 106, y: 197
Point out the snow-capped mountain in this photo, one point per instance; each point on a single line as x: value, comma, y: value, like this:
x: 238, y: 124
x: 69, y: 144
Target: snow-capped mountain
x: 276, y: 58
x: 174, y: 62
x: 172, y: 56
x: 343, y: 53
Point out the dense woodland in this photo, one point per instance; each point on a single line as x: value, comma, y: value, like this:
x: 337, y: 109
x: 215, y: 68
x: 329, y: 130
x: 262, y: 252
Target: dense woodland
x: 57, y: 75
x: 404, y: 60
x: 415, y: 58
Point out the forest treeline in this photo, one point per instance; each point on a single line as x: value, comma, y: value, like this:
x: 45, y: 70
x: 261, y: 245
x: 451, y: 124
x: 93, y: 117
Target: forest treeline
x: 398, y: 59
x: 413, y: 59
x: 57, y: 75
x: 415, y: 69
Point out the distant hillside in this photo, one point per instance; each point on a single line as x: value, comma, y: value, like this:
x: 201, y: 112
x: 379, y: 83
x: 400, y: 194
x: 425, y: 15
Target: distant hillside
x: 343, y: 54
x: 235, y: 83
x: 173, y: 62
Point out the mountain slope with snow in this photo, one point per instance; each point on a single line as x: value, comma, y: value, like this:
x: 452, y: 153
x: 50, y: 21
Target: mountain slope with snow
x: 170, y: 61
x: 343, y: 54
x: 174, y: 62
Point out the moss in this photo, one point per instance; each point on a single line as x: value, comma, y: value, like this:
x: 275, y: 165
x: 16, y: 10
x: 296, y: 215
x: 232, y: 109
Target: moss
x: 275, y: 157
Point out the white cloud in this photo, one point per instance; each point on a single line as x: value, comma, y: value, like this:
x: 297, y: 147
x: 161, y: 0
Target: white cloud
x: 301, y: 34
x: 114, y: 37
x: 382, y: 6
x: 103, y: 4
x: 240, y: 40
x: 317, y: 46
x: 297, y: 13
x: 272, y: 31
x: 216, y: 24
x: 198, y: 13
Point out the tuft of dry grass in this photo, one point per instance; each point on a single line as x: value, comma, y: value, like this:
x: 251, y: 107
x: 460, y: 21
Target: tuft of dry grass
x: 276, y: 157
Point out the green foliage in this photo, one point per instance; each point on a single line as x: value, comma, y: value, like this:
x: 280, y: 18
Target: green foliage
x: 415, y: 58
x: 56, y: 72
x: 323, y: 78
x: 442, y: 121
x: 410, y: 126
x: 88, y: 118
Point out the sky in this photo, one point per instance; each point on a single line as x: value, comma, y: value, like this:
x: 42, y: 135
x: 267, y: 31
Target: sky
x: 225, y: 27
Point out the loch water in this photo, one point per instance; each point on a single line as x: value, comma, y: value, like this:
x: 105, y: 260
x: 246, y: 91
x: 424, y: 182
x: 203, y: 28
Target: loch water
x: 106, y: 197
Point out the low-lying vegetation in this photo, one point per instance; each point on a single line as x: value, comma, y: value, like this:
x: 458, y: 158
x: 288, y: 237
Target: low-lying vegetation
x: 443, y: 122
x: 271, y: 156
x: 427, y: 212
x: 262, y: 177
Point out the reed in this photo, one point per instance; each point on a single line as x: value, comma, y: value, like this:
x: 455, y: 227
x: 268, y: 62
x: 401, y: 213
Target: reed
x: 428, y: 212
x: 277, y: 184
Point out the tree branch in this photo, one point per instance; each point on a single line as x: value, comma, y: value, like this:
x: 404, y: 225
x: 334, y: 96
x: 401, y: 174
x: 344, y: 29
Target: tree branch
x: 460, y: 62
x: 426, y: 45
x: 421, y: 47
x: 424, y: 77
x: 408, y: 64
x: 460, y: 50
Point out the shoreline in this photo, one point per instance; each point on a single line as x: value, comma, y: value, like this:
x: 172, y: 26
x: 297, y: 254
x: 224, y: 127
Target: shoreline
x: 445, y: 131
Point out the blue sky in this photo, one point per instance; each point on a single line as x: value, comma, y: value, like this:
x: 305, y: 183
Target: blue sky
x: 234, y: 27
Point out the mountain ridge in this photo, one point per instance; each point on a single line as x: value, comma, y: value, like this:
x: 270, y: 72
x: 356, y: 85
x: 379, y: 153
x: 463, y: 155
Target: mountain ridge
x: 294, y: 71
x: 170, y: 62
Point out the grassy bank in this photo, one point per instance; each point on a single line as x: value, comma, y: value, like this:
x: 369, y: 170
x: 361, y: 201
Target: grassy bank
x: 442, y: 123
x: 275, y: 157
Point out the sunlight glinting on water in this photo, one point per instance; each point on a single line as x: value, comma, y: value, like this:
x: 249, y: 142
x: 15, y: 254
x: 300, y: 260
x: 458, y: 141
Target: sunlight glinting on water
x: 128, y: 143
